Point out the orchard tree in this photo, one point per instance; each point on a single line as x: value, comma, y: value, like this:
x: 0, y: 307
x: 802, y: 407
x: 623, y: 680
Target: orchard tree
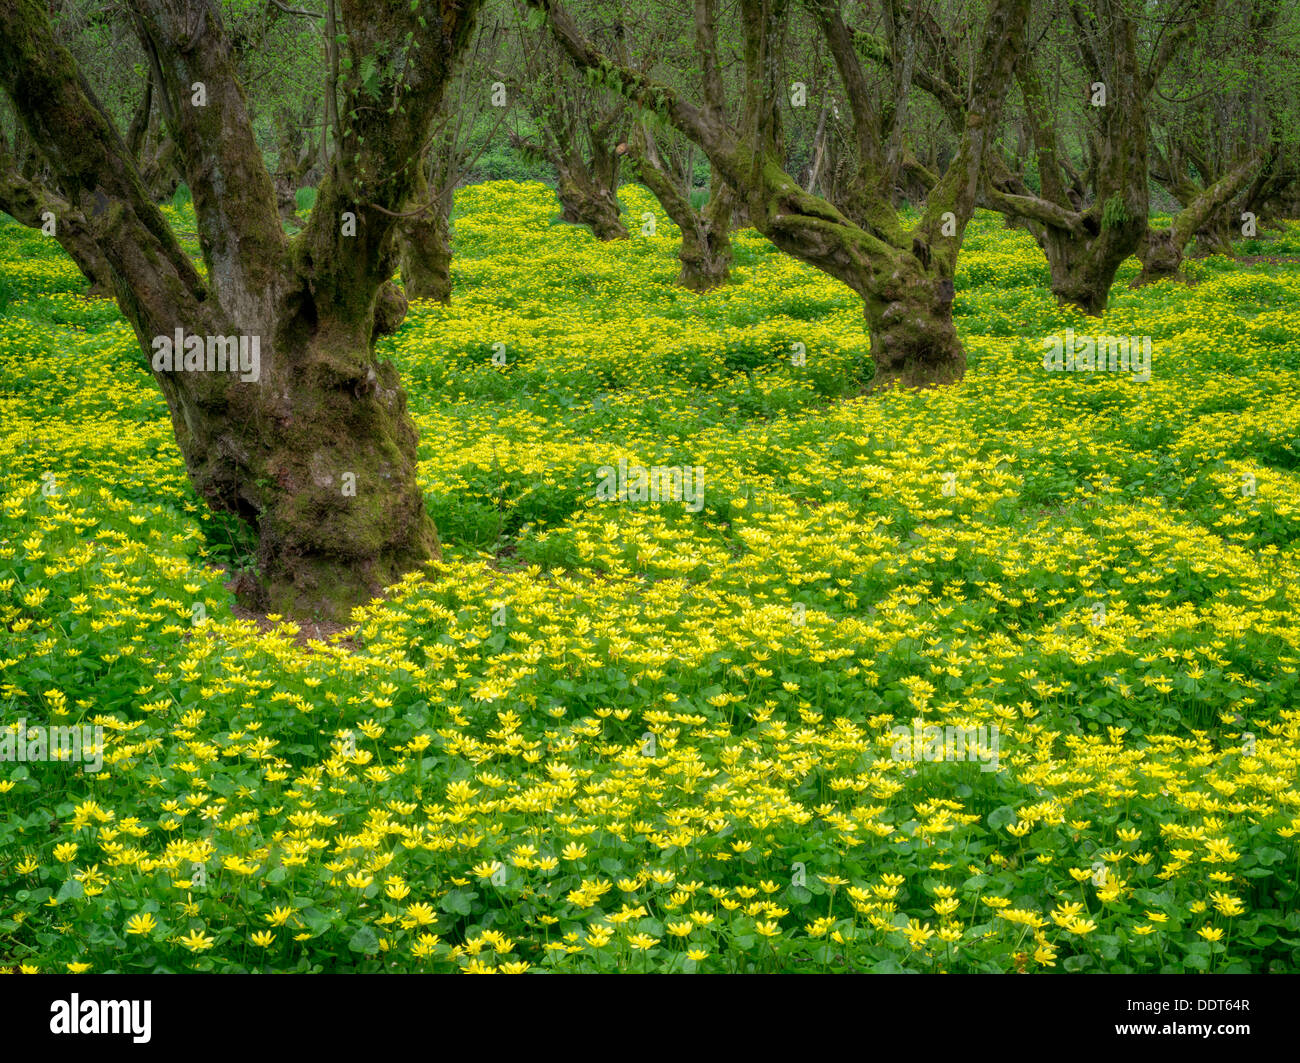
x: 669, y: 172
x: 904, y: 276
x: 577, y: 128
x: 314, y: 448
x: 461, y: 132
x: 1226, y: 131
x: 664, y: 161
x: 1086, y: 83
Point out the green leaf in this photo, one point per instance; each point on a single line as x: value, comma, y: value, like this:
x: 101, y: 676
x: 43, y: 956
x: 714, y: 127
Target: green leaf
x: 458, y: 902
x: 364, y: 940
x: 71, y: 888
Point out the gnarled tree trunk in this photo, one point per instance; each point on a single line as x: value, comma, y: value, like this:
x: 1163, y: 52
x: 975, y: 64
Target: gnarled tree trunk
x: 425, y: 243
x: 1161, y: 251
x: 705, y: 252
x: 905, y: 277
x: 586, y: 200
x: 311, y: 442
x: 1085, y: 245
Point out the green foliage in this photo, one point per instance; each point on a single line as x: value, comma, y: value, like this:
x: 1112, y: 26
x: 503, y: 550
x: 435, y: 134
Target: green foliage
x: 461, y: 779
x: 1113, y: 213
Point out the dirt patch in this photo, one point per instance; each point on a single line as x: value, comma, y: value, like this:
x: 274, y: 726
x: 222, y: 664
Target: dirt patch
x: 309, y: 631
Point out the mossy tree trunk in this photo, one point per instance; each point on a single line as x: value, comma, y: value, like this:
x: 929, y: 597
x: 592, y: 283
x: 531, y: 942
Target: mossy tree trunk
x: 586, y: 199
x: 461, y: 134
x: 585, y: 182
x: 1087, y: 226
x: 425, y: 242
x: 33, y: 205
x: 705, y: 252
x: 1161, y: 251
x: 318, y: 452
x: 905, y: 277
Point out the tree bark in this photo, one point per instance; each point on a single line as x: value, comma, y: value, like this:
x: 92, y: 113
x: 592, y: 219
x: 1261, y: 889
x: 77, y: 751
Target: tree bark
x: 705, y: 252
x: 1161, y: 251
x: 583, y: 201
x: 905, y: 277
x: 316, y: 449
x: 29, y: 204
x: 425, y: 242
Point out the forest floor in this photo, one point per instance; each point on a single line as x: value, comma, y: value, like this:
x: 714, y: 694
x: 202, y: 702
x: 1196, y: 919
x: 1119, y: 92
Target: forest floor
x: 1003, y: 676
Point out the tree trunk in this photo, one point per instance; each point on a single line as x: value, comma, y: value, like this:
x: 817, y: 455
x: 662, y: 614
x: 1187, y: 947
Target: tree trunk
x: 914, y: 342
x: 310, y: 442
x: 1160, y: 258
x: 1162, y: 251
x: 30, y: 205
x: 583, y: 202
x: 705, y: 254
x: 586, y: 187
x: 425, y: 245
x: 1215, y: 238
x: 705, y: 251
x: 1083, y: 267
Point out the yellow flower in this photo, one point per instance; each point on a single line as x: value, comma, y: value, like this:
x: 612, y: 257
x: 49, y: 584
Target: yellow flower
x: 1227, y: 905
x: 642, y: 941
x: 143, y: 923
x: 1211, y: 933
x: 487, y: 868
x: 574, y: 851
x: 917, y: 933
x: 65, y: 852
x: 419, y: 915
x: 197, y: 941
x: 262, y: 938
